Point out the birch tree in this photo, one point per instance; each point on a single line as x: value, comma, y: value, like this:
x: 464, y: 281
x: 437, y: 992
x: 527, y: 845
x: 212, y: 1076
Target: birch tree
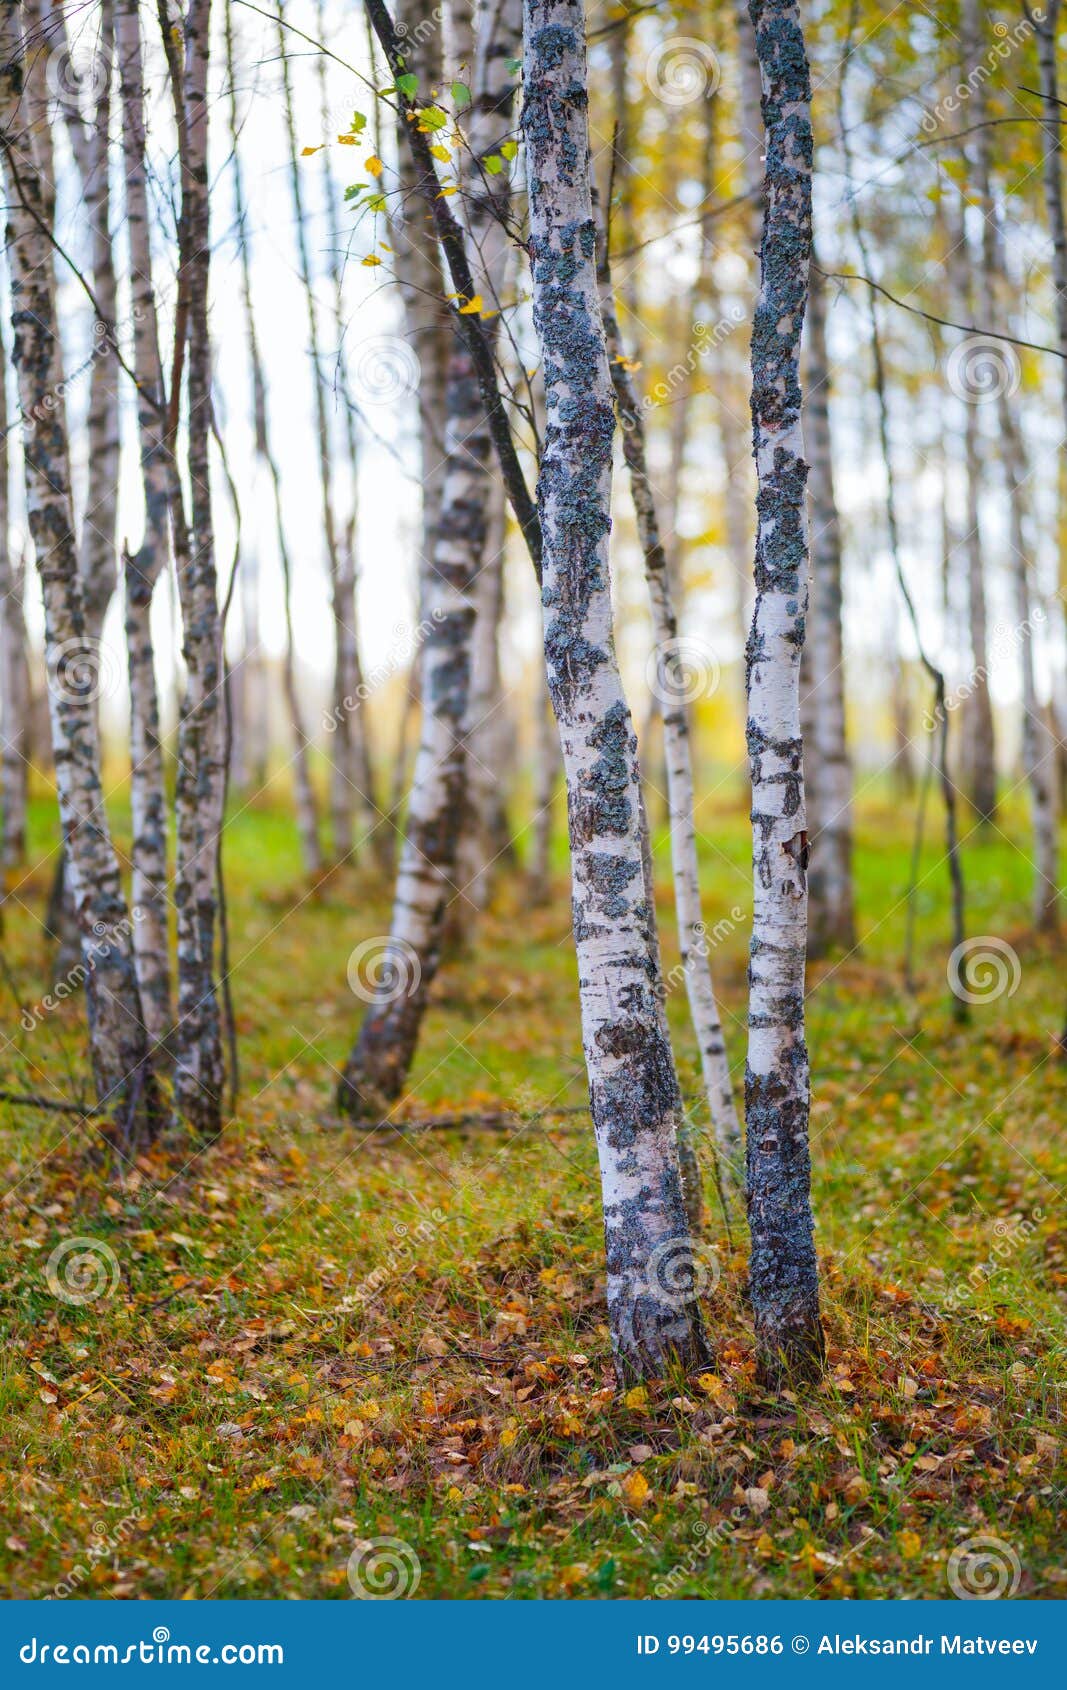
x: 118, y: 1041
x: 830, y: 898
x: 199, y: 795
x: 349, y: 783
x: 14, y: 672
x: 783, y: 1273
x: 306, y: 803
x: 144, y: 567
x: 382, y: 1057
x: 671, y: 690
x: 633, y: 1089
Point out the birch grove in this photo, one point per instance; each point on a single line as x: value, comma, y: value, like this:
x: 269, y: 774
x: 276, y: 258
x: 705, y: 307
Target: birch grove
x: 372, y: 457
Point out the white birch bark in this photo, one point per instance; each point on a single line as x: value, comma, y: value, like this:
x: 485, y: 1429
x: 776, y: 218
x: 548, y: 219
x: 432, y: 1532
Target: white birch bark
x: 437, y: 809
x: 143, y: 568
x: 305, y: 803
x: 200, y: 793
x: 783, y: 1274
x: 118, y: 1041
x: 671, y: 690
x: 634, y: 1098
x: 346, y: 794
x: 830, y: 897
x: 14, y: 672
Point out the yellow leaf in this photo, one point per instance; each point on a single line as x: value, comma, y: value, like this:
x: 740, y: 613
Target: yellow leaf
x: 442, y: 153
x: 909, y: 1544
x: 347, y: 140
x: 374, y: 165
x: 636, y: 1489
x: 371, y: 260
x: 306, y: 152
x: 637, y: 1398
x: 443, y: 195
x: 472, y: 307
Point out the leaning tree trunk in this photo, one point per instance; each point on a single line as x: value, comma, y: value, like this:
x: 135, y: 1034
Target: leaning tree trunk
x: 830, y: 901
x: 143, y: 568
x: 653, y: 1276
x: 199, y: 798
x: 671, y: 689
x: 381, y: 1059
x: 783, y: 1273
x: 307, y: 815
x: 118, y: 1041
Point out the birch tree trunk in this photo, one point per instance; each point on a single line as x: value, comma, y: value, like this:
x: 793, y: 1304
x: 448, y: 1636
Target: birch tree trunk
x: 346, y: 794
x: 1047, y: 32
x: 98, y: 558
x: 496, y: 44
x: 1037, y: 746
x: 783, y: 1273
x: 14, y: 673
x: 307, y: 815
x: 118, y: 1041
x: 143, y: 568
x: 830, y: 900
x: 350, y: 687
x: 652, y: 1274
x: 671, y: 690
x: 199, y: 797
x: 426, y: 879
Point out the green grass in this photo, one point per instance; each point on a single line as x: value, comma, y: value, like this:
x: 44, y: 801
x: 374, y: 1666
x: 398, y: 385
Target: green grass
x: 319, y: 1339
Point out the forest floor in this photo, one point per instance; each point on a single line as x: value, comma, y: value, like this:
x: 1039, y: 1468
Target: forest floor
x: 314, y: 1339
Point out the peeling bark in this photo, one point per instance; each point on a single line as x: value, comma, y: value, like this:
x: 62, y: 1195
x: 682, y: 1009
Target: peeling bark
x: 783, y: 1273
